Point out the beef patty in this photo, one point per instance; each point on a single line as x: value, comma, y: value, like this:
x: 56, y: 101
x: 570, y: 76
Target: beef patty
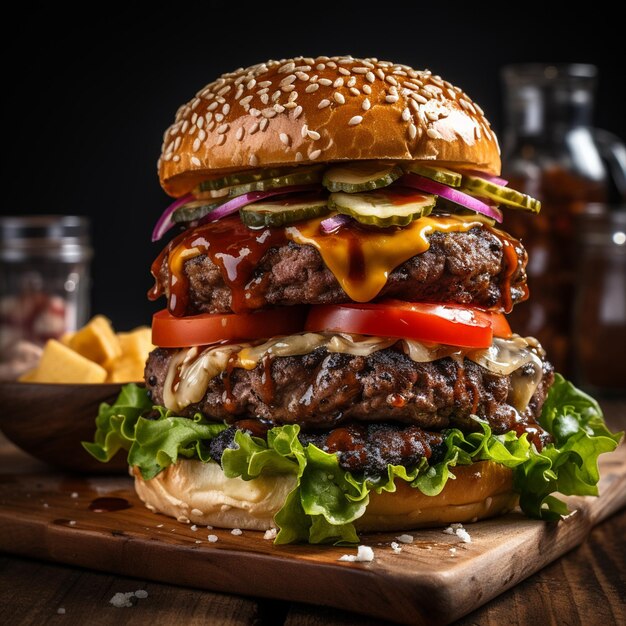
x: 322, y: 390
x: 459, y: 267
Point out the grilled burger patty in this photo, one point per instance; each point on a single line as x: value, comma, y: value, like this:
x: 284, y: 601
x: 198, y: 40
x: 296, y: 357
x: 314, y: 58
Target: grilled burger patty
x: 322, y: 390
x: 365, y: 448
x: 459, y: 267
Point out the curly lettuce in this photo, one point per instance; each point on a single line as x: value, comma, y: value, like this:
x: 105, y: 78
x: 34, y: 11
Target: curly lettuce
x: 326, y: 499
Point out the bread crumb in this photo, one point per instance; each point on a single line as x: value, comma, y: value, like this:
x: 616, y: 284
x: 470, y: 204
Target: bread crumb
x: 459, y: 531
x: 141, y: 593
x: 61, y: 611
x: 405, y: 538
x: 236, y: 532
x: 453, y: 551
x: 212, y: 538
x: 209, y: 527
x: 198, y: 541
x: 72, y: 522
x: 194, y: 528
x: 46, y: 505
x: 270, y: 534
x: 122, y: 600
x: 364, y: 555
x: 396, y: 547
x: 196, y: 512
x: 74, y: 494
x: 159, y: 526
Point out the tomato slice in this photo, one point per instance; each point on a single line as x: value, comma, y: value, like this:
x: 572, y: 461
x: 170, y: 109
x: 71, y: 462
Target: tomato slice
x: 466, y: 327
x: 169, y: 331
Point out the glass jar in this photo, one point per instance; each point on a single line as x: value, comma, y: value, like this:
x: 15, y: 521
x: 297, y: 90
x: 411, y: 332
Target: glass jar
x: 599, y: 323
x: 552, y: 152
x: 44, y: 279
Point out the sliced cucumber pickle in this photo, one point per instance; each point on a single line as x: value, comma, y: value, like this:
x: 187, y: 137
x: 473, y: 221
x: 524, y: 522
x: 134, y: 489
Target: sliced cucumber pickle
x: 397, y: 207
x: 503, y: 195
x: 300, y: 176
x: 194, y: 210
x: 282, y: 212
x: 361, y: 176
x: 438, y: 174
x: 240, y: 178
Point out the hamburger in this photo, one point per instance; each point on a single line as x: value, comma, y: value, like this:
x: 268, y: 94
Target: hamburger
x: 334, y: 354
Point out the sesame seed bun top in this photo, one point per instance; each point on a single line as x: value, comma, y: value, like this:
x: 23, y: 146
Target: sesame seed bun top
x: 305, y: 110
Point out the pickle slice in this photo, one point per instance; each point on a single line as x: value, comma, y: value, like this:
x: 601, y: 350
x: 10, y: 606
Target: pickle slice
x: 397, y: 207
x: 438, y: 174
x: 503, y: 195
x: 194, y: 210
x: 301, y: 176
x: 247, y: 176
x: 282, y: 212
x: 361, y: 176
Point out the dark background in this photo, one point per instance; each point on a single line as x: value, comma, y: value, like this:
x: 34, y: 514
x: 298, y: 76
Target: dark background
x: 87, y: 99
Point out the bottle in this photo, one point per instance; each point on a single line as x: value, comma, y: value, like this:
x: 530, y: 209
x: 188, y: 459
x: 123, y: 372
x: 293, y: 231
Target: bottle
x: 552, y: 152
x: 599, y: 323
x: 44, y: 285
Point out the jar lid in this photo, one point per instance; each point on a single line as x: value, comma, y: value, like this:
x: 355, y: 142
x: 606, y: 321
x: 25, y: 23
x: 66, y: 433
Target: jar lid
x: 61, y: 237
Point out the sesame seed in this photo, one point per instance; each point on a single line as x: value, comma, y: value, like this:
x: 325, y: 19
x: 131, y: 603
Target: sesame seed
x: 367, y: 89
x: 419, y: 98
x: 226, y: 109
x: 290, y: 105
x: 339, y: 98
x: 304, y: 130
x: 391, y: 80
x: 357, y: 119
x: 433, y: 134
x: 287, y: 88
x: 279, y: 108
x: 293, y: 96
x: 314, y: 135
x: 224, y: 90
x: 254, y: 112
x: 240, y: 133
x: 370, y: 76
x: 288, y: 67
x: 351, y: 81
x: 196, y: 161
x: 177, y: 142
x: 276, y: 95
x: 219, y: 117
x: 212, y: 106
x: 320, y: 66
x: 176, y: 158
x: 312, y: 87
x: 194, y: 118
x: 452, y: 93
x: 284, y: 138
x: 200, y: 122
x: 201, y: 135
x: 380, y: 74
x: 313, y: 155
x: 325, y: 81
x: 263, y: 124
x: 220, y: 139
x: 265, y: 99
x: 222, y: 129
x: 406, y: 114
x: 184, y: 127
x: 391, y: 98
x: 253, y: 128
x: 365, y: 105
x: 299, y: 156
x: 338, y: 83
x: 288, y: 80
x: 254, y: 161
x: 359, y: 70
x: 265, y: 83
x: 297, y: 111
x: 332, y: 64
x: 412, y: 130
x: 344, y: 71
x: 302, y: 76
x: 245, y: 100
x: 323, y: 104
x: 354, y: 91
x: 269, y: 113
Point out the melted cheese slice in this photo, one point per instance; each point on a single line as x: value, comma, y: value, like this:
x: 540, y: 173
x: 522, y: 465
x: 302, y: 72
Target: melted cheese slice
x: 362, y: 260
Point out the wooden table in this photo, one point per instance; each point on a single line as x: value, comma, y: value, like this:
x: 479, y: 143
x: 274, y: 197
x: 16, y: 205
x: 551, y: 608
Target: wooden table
x: 587, y: 586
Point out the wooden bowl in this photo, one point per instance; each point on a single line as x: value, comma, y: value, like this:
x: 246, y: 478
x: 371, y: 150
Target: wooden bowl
x: 50, y: 420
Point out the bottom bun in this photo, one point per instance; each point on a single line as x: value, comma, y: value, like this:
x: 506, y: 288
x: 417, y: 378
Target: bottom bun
x: 197, y: 492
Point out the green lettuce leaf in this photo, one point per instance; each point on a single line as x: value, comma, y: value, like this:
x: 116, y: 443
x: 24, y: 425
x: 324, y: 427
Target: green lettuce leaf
x: 326, y: 499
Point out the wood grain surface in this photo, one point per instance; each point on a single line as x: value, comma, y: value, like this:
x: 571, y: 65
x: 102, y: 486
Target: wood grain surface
x: 426, y: 583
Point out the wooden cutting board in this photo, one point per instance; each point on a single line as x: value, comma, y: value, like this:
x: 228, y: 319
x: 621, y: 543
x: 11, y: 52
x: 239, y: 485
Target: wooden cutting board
x: 435, y: 579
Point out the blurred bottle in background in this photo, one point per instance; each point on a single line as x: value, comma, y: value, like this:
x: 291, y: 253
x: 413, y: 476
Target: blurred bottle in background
x: 552, y: 152
x: 599, y: 322
x: 44, y: 285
